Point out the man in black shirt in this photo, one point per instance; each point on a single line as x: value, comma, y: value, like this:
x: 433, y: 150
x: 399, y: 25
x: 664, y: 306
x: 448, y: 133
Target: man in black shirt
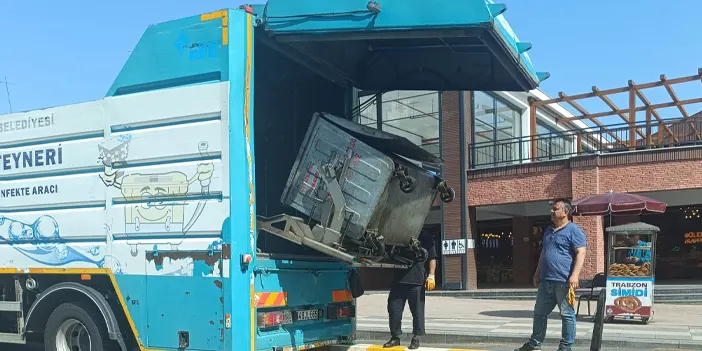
x: 409, y: 286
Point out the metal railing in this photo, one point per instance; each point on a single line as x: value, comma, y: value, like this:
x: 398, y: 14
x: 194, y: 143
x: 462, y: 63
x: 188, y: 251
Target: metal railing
x: 583, y: 141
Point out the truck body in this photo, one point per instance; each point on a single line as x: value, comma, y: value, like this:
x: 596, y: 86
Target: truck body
x: 133, y: 219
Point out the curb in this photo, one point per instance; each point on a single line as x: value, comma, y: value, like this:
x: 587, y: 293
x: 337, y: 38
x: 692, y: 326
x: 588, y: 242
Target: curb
x: 369, y: 347
x: 448, y: 339
x: 530, y: 294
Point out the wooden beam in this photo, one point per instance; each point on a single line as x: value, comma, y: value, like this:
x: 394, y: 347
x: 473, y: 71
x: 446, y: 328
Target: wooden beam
x: 581, y: 96
x: 647, y: 103
x: 681, y: 108
x: 585, y: 113
x: 659, y: 83
x: 697, y: 76
x: 632, y: 116
x: 648, y: 127
x: 640, y: 108
x: 532, y: 127
x: 614, y: 107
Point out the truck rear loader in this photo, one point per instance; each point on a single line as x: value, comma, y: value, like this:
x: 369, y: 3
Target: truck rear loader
x: 156, y: 218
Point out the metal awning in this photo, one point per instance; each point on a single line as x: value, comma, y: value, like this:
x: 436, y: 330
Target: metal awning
x: 633, y: 228
x: 404, y: 44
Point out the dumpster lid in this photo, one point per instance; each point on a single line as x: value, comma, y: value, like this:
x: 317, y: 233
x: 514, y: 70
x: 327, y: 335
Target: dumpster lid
x: 383, y: 141
x: 404, y: 44
x: 632, y: 228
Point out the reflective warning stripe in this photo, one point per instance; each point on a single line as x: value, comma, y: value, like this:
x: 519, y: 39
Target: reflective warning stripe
x: 272, y: 299
x: 341, y: 296
x: 362, y: 347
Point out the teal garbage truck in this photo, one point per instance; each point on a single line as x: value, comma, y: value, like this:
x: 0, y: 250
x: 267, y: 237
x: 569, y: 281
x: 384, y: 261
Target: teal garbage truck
x: 220, y: 196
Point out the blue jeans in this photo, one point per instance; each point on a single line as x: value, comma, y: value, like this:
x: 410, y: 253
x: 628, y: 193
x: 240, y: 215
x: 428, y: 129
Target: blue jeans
x: 550, y: 295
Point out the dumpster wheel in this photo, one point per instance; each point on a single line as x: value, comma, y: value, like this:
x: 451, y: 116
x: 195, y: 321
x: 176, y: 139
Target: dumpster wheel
x: 448, y: 195
x: 374, y: 246
x: 378, y: 248
x: 422, y: 255
x: 408, y: 184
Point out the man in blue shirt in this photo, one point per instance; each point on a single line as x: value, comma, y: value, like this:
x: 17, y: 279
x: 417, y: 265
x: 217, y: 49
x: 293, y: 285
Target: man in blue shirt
x: 562, y: 258
x: 638, y: 256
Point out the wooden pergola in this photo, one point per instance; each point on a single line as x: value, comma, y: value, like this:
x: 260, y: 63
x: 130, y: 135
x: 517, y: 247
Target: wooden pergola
x: 637, y: 102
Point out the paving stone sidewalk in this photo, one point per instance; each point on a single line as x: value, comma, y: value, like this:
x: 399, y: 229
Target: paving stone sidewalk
x: 456, y: 319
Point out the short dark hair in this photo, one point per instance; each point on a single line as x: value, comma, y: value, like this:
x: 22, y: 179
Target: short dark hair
x: 567, y: 206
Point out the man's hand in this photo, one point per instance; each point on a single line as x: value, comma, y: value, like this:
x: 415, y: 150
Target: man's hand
x: 573, y: 282
x: 536, y: 280
x: 430, y: 283
x: 632, y: 259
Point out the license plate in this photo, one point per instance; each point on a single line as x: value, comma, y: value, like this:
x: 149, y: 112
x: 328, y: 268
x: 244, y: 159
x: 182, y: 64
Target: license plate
x: 306, y: 315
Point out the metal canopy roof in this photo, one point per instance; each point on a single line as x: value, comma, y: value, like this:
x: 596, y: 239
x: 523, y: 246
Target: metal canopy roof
x: 404, y: 44
x: 633, y: 228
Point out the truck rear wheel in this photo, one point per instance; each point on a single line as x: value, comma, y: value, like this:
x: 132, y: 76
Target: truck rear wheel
x: 76, y: 326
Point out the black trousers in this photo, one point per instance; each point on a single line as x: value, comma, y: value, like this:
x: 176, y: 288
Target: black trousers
x: 400, y: 294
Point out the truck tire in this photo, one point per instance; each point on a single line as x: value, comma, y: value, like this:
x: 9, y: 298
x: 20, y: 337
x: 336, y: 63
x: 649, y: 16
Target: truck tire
x: 76, y: 326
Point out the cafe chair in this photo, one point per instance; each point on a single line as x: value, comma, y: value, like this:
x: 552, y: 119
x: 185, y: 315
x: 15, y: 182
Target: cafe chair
x: 599, y: 281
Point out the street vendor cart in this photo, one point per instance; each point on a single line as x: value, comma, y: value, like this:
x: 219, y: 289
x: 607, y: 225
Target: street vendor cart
x: 631, y: 262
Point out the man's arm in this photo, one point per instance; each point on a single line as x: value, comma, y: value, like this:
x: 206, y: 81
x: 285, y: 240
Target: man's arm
x: 538, y: 265
x: 579, y: 261
x: 579, y: 243
x: 432, y: 266
x: 431, y: 257
x: 645, y: 256
x: 430, y: 283
x: 537, y: 275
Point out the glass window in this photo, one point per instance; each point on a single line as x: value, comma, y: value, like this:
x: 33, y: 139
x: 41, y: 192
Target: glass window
x: 507, y: 121
x: 483, y: 129
x: 413, y: 115
x: 410, y: 114
x: 484, y: 113
x: 496, y: 129
x: 368, y: 115
x: 551, y: 144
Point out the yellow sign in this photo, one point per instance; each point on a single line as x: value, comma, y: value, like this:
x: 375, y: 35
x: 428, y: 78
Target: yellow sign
x: 693, y: 238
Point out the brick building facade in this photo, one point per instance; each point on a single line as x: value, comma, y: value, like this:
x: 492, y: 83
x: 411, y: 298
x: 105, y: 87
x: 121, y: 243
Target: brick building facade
x: 517, y: 190
x: 648, y: 171
x: 457, y: 223
x: 457, y: 219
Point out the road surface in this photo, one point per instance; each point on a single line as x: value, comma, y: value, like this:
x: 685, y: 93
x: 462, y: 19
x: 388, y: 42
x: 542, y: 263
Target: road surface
x: 476, y: 347
x: 511, y: 347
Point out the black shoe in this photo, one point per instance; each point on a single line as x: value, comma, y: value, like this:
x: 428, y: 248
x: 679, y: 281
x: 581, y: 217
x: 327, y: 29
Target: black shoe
x: 414, y: 344
x: 394, y: 341
x: 564, y: 348
x: 528, y: 347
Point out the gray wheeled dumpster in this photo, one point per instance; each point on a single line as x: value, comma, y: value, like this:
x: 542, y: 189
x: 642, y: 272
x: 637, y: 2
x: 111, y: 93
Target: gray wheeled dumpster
x: 362, y: 192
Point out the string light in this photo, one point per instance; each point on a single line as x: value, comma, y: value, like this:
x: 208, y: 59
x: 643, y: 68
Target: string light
x: 691, y: 212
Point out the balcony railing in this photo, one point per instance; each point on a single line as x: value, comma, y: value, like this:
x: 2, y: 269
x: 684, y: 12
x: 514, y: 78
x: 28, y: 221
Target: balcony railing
x: 601, y: 139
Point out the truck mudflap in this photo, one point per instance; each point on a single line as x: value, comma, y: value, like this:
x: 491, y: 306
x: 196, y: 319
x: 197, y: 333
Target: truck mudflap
x: 404, y: 44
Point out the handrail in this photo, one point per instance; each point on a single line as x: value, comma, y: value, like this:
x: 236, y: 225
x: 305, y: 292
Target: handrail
x: 567, y: 143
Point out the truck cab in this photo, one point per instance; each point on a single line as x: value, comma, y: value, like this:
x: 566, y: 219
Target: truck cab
x: 219, y: 103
